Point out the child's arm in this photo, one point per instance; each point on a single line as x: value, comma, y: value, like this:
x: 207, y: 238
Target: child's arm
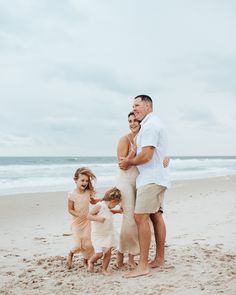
x: 94, y: 201
x: 71, y: 208
x: 92, y: 214
x: 117, y: 211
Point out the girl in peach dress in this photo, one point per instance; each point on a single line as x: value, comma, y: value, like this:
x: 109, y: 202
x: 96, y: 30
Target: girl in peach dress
x: 78, y: 206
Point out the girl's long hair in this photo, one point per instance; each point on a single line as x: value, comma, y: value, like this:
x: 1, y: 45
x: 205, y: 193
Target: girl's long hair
x: 91, y: 177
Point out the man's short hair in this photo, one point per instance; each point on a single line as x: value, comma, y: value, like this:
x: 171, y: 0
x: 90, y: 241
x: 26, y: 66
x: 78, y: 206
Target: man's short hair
x: 145, y: 98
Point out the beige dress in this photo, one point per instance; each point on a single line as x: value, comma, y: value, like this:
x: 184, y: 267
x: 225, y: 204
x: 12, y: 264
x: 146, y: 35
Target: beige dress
x: 103, y: 234
x: 80, y: 226
x: 126, y: 183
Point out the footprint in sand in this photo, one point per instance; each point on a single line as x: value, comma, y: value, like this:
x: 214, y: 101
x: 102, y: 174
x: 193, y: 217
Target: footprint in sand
x: 41, y: 239
x: 11, y: 255
x: 10, y: 273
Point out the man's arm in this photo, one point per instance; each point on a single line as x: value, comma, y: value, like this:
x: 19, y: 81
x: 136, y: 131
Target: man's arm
x: 142, y: 158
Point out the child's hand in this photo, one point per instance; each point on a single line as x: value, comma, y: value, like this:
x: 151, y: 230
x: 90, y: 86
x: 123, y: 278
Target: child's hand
x: 117, y: 211
x: 94, y: 201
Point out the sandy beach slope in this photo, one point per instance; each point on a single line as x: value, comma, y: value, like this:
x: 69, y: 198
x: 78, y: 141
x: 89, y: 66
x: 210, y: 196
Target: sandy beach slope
x: 200, y: 247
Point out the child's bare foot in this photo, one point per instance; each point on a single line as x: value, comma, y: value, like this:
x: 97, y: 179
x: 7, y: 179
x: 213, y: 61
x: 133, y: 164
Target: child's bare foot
x: 119, y: 260
x: 85, y: 262
x: 69, y: 260
x: 106, y: 272
x: 156, y: 263
x: 90, y: 266
x: 132, y: 264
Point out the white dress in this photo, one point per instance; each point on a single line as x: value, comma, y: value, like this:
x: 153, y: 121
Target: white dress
x: 103, y: 235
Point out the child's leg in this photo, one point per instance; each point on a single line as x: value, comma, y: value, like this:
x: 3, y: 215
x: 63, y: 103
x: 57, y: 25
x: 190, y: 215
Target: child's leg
x: 131, y: 261
x: 119, y: 259
x: 92, y: 260
x: 85, y: 262
x: 106, y: 261
x: 69, y: 259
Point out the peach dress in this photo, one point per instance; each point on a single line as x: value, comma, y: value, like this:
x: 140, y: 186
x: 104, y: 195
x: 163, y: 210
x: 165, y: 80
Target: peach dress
x: 80, y: 226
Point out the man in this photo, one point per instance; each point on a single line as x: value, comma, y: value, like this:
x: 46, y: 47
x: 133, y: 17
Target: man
x: 151, y: 183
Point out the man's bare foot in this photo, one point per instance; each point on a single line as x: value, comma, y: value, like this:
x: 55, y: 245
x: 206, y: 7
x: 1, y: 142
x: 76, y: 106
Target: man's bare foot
x: 90, y: 266
x: 106, y: 272
x: 69, y: 260
x: 137, y: 272
x: 156, y: 263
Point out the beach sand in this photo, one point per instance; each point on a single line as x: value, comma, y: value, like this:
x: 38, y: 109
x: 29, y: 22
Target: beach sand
x: 200, y: 245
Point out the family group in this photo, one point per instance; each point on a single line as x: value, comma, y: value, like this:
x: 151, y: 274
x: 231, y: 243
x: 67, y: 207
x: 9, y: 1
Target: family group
x: 138, y: 195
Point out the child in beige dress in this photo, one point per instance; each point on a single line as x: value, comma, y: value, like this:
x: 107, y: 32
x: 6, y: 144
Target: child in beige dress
x: 103, y: 234
x: 78, y: 206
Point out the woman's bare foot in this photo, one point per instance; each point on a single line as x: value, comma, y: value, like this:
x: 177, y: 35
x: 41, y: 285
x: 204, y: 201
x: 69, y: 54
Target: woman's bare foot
x: 156, y: 263
x: 106, y: 272
x: 69, y: 260
x: 90, y: 266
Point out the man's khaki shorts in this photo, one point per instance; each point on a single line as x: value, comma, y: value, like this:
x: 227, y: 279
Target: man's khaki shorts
x: 149, y: 198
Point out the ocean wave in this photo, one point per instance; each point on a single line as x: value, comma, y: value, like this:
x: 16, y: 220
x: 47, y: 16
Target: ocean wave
x: 53, y: 174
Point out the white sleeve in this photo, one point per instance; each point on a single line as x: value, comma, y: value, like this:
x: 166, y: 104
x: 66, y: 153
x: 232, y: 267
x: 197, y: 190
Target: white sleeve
x: 150, y: 137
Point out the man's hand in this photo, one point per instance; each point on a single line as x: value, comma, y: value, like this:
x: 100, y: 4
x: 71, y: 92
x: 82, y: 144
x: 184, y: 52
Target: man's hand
x: 124, y: 163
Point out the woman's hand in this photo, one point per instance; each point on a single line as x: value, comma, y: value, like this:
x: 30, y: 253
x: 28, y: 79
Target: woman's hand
x: 124, y: 163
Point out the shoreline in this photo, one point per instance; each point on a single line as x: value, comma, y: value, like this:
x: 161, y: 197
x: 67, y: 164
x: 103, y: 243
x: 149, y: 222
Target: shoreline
x: 101, y: 188
x: 200, y: 245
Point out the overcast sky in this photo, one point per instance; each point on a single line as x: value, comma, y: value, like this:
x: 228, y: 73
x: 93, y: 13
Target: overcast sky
x: 69, y: 70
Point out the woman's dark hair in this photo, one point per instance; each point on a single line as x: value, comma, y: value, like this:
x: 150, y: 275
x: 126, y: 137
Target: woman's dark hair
x: 131, y: 114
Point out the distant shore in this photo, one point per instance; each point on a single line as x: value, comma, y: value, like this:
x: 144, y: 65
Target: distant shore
x: 200, y: 246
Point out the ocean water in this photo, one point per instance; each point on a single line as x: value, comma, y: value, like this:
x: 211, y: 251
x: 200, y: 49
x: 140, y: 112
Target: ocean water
x: 41, y: 174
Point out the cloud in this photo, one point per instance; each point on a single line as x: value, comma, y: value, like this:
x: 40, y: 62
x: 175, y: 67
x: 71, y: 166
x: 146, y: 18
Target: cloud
x: 98, y: 76
x: 9, y: 140
x: 201, y: 116
x: 69, y: 70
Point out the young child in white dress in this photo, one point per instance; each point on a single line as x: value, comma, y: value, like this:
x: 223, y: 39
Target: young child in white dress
x: 103, y: 234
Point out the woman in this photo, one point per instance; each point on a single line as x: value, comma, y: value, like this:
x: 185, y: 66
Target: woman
x: 126, y: 184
